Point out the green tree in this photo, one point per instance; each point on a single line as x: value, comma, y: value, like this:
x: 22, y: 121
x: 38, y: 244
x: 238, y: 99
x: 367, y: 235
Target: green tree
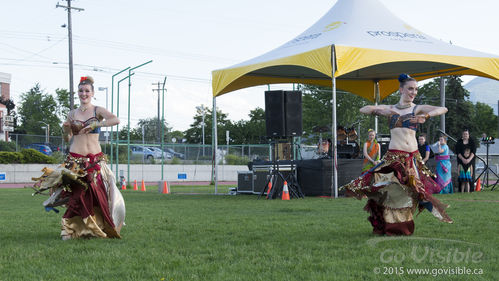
x: 256, y: 126
x: 316, y: 108
x: 135, y: 134
x: 317, y: 112
x: 9, y: 104
x: 194, y: 133
x: 249, y: 131
x: 37, y: 107
x: 177, y: 135
x: 151, y: 134
x: 485, y: 120
x: 460, y: 109
x: 62, y: 97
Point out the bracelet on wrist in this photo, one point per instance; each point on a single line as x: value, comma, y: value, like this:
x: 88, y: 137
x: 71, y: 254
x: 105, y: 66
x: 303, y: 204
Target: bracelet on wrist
x: 427, y: 116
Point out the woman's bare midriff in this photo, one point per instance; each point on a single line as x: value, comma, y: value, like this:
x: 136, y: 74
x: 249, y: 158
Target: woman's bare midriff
x: 403, y: 139
x: 85, y: 144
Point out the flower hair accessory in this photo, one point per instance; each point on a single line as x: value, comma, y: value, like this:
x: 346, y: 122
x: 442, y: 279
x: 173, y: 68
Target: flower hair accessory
x: 403, y: 77
x: 86, y: 80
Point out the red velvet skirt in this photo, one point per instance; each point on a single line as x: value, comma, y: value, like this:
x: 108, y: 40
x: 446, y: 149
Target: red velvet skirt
x: 87, y: 213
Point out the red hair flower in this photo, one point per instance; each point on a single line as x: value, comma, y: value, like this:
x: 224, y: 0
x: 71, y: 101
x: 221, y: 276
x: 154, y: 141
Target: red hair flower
x: 83, y: 78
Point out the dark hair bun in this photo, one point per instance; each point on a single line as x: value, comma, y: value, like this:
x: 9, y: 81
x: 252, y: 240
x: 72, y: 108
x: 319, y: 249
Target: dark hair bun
x: 403, y: 77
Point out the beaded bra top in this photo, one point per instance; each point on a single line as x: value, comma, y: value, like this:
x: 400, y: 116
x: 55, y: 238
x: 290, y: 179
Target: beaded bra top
x: 77, y: 125
x: 403, y: 121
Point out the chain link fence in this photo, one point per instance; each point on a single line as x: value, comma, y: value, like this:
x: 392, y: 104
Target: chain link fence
x: 174, y: 153
x: 183, y: 153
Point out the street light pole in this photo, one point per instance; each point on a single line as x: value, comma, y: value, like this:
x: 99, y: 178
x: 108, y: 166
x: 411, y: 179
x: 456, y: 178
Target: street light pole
x: 102, y: 89
x: 47, y: 131
x: 202, y: 108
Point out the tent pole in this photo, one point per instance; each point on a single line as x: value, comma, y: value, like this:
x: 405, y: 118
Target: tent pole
x: 334, y: 179
x: 215, y: 144
x: 376, y: 98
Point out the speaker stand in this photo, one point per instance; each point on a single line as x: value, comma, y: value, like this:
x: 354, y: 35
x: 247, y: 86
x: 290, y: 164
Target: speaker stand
x: 294, y: 188
x: 487, y: 169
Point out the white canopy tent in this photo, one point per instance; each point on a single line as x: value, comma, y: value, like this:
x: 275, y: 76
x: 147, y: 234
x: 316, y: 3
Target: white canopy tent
x: 357, y: 46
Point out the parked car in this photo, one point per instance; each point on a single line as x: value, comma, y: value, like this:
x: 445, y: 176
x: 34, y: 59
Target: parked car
x: 52, y: 146
x: 142, y: 153
x: 174, y: 153
x: 45, y: 149
x: 146, y: 153
x: 166, y: 155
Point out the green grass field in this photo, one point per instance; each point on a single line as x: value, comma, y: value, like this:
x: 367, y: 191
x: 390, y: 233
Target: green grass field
x: 218, y: 237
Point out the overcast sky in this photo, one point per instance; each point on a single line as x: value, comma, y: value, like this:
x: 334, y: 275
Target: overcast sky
x: 187, y: 40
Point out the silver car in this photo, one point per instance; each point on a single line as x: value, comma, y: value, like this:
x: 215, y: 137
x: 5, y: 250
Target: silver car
x: 143, y: 153
x: 158, y: 152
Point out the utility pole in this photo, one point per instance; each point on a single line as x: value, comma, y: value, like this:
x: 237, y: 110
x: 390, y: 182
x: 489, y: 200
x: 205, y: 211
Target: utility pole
x: 159, y: 89
x: 70, y: 40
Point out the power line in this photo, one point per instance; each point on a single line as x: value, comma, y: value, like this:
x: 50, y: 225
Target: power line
x: 117, y: 45
x: 70, y: 40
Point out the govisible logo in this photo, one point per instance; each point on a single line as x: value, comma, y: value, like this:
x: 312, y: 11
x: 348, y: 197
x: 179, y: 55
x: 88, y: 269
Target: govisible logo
x: 333, y: 25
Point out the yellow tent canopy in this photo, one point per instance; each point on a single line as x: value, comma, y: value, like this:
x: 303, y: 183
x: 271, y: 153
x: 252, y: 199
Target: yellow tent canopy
x: 371, y: 46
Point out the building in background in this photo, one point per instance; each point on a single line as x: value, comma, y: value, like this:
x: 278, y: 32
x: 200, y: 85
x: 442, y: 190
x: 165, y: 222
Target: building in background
x: 5, y: 95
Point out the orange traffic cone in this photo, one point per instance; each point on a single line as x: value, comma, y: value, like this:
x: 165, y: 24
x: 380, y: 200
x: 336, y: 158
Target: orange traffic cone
x: 166, y: 189
x: 269, y: 189
x: 123, y: 185
x: 135, y: 185
x: 143, y: 187
x: 285, y: 191
x: 478, y: 186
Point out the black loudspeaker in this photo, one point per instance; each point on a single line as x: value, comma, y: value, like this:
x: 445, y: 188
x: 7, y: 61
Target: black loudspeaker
x: 315, y: 175
x: 384, y: 142
x: 293, y: 112
x: 245, y: 182
x: 283, y: 113
x: 274, y: 113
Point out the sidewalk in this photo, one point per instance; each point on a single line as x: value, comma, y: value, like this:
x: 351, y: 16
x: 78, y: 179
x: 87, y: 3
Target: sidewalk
x: 147, y: 183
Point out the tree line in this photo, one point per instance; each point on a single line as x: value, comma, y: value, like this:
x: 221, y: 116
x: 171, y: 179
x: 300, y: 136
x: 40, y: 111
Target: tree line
x: 37, y: 107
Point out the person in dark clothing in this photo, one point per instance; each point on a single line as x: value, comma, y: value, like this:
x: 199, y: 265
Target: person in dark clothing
x: 465, y: 150
x: 423, y: 148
